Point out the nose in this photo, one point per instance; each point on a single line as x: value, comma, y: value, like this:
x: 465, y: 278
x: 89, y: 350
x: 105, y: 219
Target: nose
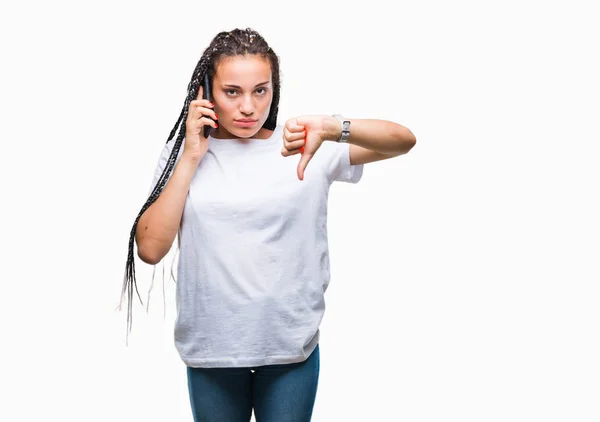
x: 247, y: 105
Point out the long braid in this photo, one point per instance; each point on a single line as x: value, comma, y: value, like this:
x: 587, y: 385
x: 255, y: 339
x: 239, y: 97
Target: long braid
x: 236, y: 42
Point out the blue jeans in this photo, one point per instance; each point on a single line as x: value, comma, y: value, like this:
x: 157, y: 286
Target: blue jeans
x: 277, y: 393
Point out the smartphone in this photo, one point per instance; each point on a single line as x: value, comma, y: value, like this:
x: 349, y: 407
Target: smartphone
x: 206, y: 94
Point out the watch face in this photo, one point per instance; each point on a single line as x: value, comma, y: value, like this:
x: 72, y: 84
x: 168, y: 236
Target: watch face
x: 346, y: 128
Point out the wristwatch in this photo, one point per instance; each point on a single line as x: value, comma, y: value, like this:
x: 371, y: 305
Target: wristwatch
x: 345, y: 128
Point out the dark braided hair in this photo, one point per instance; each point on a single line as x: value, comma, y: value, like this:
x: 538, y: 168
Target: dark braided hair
x: 224, y: 44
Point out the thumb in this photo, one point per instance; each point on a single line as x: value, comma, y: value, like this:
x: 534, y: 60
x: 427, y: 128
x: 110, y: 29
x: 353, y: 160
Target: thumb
x: 304, y: 160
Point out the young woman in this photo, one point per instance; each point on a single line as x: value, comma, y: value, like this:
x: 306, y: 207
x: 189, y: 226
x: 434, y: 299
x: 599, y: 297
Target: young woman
x: 252, y: 224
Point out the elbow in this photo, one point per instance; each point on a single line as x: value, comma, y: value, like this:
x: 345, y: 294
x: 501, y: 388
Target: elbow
x: 406, y: 141
x: 147, y: 253
x: 411, y: 142
x: 147, y: 257
x: 148, y: 250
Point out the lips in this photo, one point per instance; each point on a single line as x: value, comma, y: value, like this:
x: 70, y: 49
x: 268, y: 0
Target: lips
x: 245, y: 123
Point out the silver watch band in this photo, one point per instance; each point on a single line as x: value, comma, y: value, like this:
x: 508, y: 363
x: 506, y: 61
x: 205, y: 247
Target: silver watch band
x: 345, y: 128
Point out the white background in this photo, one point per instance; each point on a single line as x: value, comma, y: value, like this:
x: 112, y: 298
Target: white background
x: 465, y: 280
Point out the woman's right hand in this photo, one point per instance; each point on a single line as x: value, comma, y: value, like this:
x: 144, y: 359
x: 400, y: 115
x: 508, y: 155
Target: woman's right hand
x: 200, y: 114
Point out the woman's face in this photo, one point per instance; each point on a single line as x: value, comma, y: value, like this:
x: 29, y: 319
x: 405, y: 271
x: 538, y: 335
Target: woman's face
x: 242, y: 90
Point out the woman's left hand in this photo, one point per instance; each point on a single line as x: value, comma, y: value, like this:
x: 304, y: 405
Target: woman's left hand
x: 303, y: 135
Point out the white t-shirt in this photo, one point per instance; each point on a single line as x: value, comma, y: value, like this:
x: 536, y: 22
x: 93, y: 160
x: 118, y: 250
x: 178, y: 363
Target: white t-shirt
x: 253, y: 261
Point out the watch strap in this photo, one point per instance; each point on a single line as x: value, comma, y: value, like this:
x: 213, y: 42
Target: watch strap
x: 345, y: 128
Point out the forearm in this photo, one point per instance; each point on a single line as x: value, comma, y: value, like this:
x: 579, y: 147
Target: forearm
x: 377, y: 135
x: 159, y: 224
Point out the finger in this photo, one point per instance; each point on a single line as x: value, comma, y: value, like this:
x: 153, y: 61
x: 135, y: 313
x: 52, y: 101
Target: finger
x: 200, y: 111
x: 294, y: 136
x: 200, y: 92
x: 302, y: 121
x: 201, y: 103
x: 293, y: 127
x: 287, y: 153
x: 304, y: 160
x: 208, y: 122
x: 294, y: 145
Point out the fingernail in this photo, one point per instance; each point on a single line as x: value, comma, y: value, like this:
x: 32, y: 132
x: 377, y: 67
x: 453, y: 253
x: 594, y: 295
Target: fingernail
x: 216, y: 116
x: 211, y: 104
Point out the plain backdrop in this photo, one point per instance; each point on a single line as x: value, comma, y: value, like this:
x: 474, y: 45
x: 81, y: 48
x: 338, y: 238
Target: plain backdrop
x: 464, y: 275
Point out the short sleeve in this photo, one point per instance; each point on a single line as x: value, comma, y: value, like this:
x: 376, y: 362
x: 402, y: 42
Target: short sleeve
x: 162, y: 162
x: 337, y: 163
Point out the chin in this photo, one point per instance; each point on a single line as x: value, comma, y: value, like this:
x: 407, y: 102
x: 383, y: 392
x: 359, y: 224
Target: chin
x: 245, y: 133
x: 242, y: 134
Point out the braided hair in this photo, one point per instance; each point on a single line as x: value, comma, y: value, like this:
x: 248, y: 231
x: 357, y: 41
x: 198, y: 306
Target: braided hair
x: 224, y: 44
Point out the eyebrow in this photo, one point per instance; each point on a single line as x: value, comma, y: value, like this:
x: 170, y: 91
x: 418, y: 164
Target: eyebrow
x: 239, y: 87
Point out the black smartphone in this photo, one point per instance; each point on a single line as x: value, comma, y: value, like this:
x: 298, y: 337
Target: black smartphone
x: 206, y: 94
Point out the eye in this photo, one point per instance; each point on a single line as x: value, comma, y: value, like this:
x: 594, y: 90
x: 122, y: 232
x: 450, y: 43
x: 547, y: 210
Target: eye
x: 233, y: 92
